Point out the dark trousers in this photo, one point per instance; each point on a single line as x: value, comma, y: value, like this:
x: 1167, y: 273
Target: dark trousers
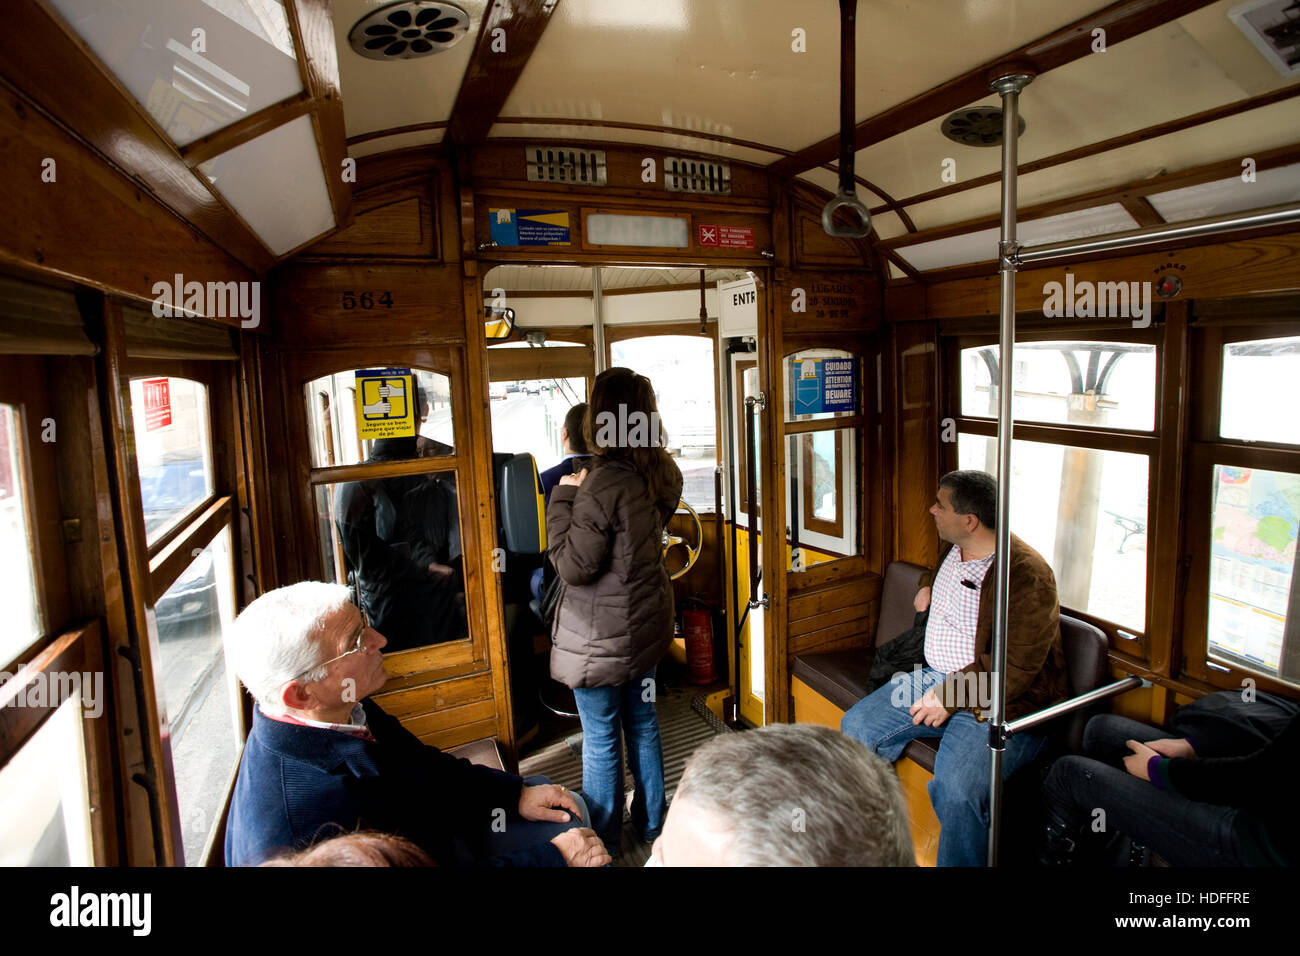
x: 1097, y: 795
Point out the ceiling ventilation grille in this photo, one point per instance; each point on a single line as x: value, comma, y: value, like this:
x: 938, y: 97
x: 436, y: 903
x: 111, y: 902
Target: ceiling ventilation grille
x: 682, y: 175
x: 408, y: 29
x: 554, y: 164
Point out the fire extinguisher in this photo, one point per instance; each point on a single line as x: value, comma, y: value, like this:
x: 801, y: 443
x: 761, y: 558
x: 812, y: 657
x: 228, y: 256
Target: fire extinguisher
x: 697, y: 624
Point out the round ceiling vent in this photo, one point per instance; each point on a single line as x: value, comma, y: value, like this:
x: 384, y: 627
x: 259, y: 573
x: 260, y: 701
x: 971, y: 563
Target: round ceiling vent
x: 410, y: 28
x: 977, y: 126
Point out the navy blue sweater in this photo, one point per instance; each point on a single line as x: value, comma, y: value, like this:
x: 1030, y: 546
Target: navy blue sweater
x: 298, y: 785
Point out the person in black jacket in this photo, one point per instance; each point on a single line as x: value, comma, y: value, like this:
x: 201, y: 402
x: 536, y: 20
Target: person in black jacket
x: 1219, y: 799
x: 323, y: 758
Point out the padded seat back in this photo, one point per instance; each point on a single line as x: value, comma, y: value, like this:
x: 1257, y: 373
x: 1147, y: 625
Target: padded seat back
x: 896, y: 611
x: 1086, y: 653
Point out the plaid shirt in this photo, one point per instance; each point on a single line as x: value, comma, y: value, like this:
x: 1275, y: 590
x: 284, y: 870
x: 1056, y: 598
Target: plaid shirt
x: 954, y: 611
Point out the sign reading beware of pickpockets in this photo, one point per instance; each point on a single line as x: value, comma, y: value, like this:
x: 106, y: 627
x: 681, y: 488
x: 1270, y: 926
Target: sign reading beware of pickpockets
x: 385, y: 403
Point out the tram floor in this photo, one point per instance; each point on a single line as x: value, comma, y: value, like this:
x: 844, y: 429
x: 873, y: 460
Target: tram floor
x: 683, y: 727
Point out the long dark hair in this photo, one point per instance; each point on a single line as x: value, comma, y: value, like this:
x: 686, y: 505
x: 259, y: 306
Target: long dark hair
x: 612, y: 432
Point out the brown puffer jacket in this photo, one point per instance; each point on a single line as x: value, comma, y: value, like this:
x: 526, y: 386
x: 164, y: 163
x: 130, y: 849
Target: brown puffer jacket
x: 614, y: 620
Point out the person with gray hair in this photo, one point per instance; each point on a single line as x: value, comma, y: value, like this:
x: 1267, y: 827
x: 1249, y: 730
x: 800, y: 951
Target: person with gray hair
x: 786, y: 795
x: 322, y: 757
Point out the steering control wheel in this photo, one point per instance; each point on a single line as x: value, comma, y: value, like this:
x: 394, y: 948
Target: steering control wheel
x: 672, y: 541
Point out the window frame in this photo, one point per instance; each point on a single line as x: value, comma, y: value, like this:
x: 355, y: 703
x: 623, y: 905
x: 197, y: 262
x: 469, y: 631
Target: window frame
x: 1138, y: 647
x: 173, y: 552
x: 1207, y: 448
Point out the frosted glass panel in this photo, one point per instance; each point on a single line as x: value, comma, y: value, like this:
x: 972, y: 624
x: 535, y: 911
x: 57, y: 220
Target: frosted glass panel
x: 195, y: 65
x: 982, y: 246
x: 276, y: 185
x: 1270, y: 187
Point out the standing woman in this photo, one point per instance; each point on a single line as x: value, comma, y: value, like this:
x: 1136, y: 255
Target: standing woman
x: 614, y: 621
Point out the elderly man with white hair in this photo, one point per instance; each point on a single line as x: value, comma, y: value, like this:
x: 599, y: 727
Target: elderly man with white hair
x: 322, y: 758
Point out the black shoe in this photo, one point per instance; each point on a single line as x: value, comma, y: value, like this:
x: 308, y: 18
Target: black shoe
x: 1059, y: 847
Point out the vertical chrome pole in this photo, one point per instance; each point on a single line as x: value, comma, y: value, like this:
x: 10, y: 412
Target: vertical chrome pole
x: 1009, y: 87
x: 598, y: 320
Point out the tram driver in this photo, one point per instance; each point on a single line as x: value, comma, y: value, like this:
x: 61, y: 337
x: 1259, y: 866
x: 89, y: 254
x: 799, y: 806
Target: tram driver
x: 324, y: 758
x: 949, y: 691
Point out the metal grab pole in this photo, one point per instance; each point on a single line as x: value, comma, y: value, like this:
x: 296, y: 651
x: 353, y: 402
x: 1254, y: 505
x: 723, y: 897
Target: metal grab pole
x: 1009, y: 87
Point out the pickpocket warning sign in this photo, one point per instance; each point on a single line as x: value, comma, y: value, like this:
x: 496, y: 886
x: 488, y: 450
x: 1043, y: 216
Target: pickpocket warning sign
x: 385, y: 403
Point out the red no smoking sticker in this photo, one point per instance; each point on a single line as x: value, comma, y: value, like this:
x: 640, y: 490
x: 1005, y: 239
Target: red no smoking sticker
x: 157, y: 403
x: 727, y: 237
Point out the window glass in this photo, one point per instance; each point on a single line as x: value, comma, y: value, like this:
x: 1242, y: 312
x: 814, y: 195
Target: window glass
x: 527, y: 416
x: 173, y: 450
x: 1085, y: 512
x: 20, y: 622
x: 1256, y: 376
x: 817, y: 379
x: 822, y: 493
x: 396, y: 542
x: 681, y: 369
x: 199, y: 689
x: 333, y: 416
x: 44, y: 804
x: 1105, y: 384
x: 1252, y: 570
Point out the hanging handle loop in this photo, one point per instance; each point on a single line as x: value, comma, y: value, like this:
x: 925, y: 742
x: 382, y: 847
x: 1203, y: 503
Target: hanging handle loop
x: 847, y: 197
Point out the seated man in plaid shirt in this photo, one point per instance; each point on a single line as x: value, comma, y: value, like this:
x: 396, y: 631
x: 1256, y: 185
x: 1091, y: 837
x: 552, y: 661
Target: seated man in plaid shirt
x: 950, y: 695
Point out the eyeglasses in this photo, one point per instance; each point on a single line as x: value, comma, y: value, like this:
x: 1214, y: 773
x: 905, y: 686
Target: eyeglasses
x: 355, y: 646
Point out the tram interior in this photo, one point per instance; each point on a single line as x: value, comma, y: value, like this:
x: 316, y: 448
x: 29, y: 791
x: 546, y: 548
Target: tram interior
x: 460, y: 234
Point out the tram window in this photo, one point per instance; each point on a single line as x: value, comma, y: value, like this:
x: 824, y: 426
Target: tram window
x: 173, y: 449
x: 824, y: 465
x: 527, y: 416
x: 681, y: 369
x: 806, y: 386
x: 18, y: 599
x: 199, y: 689
x: 331, y: 411
x: 1252, y: 570
x: 1086, y: 512
x: 1255, y: 373
x: 1109, y: 384
x: 396, y: 542
x: 44, y: 802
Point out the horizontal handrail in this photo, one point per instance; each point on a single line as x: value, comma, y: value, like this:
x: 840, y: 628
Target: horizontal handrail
x: 1074, y: 703
x: 1161, y: 234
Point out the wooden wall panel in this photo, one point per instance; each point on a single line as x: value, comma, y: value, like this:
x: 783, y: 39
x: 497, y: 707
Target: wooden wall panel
x: 833, y: 302
x: 915, y: 451
x: 1243, y: 267
x: 390, y: 220
x: 308, y: 301
x: 78, y: 226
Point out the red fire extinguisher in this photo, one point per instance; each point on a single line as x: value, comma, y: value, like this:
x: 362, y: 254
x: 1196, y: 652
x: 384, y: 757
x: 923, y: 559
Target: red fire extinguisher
x: 697, y: 625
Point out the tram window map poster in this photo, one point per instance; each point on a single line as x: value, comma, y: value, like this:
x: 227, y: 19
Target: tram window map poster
x: 1253, y: 559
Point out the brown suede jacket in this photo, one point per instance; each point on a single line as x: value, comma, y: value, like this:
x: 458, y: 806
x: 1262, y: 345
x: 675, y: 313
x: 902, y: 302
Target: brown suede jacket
x: 1035, y: 659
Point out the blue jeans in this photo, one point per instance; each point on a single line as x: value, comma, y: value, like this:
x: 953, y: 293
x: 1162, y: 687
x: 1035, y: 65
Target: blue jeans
x: 1185, y: 832
x: 603, y: 710
x: 960, y: 788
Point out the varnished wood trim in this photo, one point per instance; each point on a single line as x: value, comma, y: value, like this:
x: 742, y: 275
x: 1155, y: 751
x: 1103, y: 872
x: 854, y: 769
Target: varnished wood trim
x: 491, y: 75
x: 1075, y: 436
x: 248, y: 128
x: 1127, y: 18
x: 312, y: 24
x: 1115, y: 142
x: 169, y: 563
x: 369, y: 471
x: 396, y: 131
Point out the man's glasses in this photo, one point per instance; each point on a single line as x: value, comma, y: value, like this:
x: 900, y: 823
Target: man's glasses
x: 355, y: 646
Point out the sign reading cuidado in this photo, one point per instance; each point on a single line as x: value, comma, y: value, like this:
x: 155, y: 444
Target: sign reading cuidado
x: 824, y: 385
x: 385, y: 403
